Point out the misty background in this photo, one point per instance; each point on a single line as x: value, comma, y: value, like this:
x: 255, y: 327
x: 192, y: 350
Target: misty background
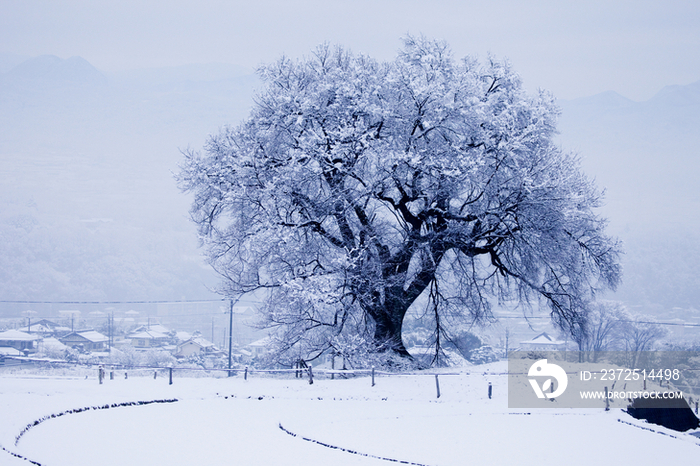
x: 96, y: 105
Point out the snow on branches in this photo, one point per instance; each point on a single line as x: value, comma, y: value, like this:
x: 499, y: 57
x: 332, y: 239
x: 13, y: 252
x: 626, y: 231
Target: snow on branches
x: 356, y: 187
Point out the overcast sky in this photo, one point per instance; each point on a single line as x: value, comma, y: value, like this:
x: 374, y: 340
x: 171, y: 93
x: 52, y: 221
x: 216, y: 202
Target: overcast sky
x: 574, y: 49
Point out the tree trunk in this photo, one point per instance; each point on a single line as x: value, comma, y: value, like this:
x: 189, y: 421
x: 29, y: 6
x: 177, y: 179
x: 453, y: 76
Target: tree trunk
x: 388, y: 321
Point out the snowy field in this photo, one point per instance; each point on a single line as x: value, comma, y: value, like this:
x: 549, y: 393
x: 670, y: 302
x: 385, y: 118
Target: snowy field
x: 335, y: 422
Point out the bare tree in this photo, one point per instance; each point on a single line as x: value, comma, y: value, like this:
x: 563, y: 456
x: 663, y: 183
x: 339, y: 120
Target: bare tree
x: 606, y: 324
x: 641, y: 334
x: 357, y: 187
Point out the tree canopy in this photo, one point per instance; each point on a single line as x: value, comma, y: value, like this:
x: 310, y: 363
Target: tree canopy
x: 357, y: 189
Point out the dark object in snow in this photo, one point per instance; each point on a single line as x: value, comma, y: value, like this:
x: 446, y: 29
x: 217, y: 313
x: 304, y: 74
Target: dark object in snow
x: 671, y: 413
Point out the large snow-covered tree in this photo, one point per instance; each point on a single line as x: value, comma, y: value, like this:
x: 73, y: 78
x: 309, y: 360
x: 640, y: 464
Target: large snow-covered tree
x: 357, y: 189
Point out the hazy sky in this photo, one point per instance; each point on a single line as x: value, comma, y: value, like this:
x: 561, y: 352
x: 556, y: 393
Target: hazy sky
x: 574, y: 49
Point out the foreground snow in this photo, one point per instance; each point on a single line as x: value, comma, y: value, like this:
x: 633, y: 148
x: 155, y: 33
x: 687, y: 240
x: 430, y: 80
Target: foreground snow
x: 236, y: 421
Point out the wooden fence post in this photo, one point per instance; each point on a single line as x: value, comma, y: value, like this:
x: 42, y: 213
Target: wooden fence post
x: 607, y: 400
x: 437, y: 385
x: 311, y: 375
x: 490, y: 390
x: 245, y: 374
x: 373, y: 376
x: 170, y: 376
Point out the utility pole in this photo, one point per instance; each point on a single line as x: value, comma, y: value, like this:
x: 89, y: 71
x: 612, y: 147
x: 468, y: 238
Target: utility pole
x: 507, y: 338
x: 110, y: 326
x: 230, y: 336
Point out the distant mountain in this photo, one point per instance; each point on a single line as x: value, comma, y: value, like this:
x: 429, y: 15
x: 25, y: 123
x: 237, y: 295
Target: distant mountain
x: 76, y: 145
x: 679, y: 104
x: 678, y: 96
x: 647, y: 157
x: 647, y: 154
x: 50, y: 69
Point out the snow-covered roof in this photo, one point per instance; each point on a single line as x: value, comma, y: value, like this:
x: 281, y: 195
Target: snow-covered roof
x: 93, y: 336
x: 9, y: 351
x: 188, y: 343
x: 46, y: 322
x: 37, y: 328
x: 152, y: 328
x: 203, y: 342
x: 183, y: 336
x: 16, y: 335
x: 263, y: 342
x: 159, y: 328
x: 149, y: 335
x: 52, y: 343
x: 543, y: 339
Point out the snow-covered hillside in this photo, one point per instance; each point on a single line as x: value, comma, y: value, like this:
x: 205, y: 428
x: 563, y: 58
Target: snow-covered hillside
x: 339, y: 422
x: 89, y: 207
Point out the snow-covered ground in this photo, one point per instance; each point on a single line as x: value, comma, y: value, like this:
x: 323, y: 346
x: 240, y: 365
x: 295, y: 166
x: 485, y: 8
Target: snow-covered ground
x: 250, y: 422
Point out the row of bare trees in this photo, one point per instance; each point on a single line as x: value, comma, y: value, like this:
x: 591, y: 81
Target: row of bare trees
x: 611, y: 327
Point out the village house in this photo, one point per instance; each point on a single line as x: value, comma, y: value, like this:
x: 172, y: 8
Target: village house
x: 146, y: 339
x: 543, y: 342
x: 260, y: 348
x: 196, y: 346
x: 86, y: 340
x: 51, y: 346
x: 45, y: 328
x: 18, y: 340
x: 8, y: 351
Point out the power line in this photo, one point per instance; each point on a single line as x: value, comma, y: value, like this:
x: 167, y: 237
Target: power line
x: 195, y: 301
x: 185, y: 301
x: 677, y: 324
x: 164, y: 317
